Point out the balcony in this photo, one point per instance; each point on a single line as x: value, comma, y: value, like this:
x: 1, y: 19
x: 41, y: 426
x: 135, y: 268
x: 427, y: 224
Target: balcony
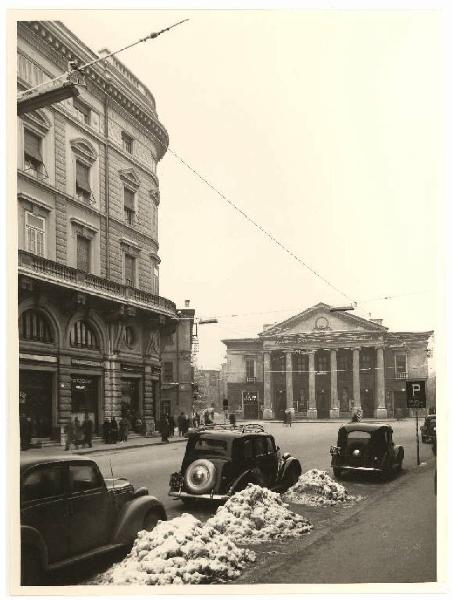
x: 43, y: 269
x: 401, y: 375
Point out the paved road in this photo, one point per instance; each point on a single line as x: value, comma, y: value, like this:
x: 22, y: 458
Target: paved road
x: 310, y: 442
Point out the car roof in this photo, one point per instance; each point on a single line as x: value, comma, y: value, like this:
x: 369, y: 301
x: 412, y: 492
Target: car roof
x: 369, y: 427
x: 33, y: 460
x: 227, y: 434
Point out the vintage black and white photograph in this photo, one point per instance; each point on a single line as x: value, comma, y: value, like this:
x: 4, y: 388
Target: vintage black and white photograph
x: 226, y: 229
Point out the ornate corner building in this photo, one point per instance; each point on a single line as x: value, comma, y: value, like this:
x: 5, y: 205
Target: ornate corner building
x: 90, y: 313
x: 325, y: 365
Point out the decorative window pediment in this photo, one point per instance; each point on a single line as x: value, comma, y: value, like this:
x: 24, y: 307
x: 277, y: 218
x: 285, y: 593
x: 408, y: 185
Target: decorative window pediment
x: 130, y: 179
x: 129, y: 247
x: 84, y: 150
x: 83, y: 229
x: 38, y: 121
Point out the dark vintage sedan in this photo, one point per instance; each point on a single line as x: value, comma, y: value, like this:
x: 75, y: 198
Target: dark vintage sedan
x: 69, y: 513
x: 221, y: 460
x: 428, y: 429
x: 366, y: 447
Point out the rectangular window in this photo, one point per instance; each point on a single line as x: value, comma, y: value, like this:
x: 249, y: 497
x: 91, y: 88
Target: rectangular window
x: 35, y: 229
x: 128, y: 143
x: 32, y: 152
x: 322, y: 362
x: 83, y: 254
x: 156, y: 280
x: 81, y: 111
x: 129, y: 206
x: 250, y: 368
x: 400, y: 364
x: 129, y: 270
x: 83, y: 188
x: 167, y: 371
x: 84, y: 478
x: 43, y: 482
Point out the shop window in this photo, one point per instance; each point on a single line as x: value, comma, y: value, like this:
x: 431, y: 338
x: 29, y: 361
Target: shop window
x: 83, y: 187
x: 83, y: 336
x: 81, y: 112
x: 127, y: 143
x: 33, y: 161
x: 35, y: 234
x: 34, y: 327
x: 168, y: 371
x: 129, y: 206
x: 129, y: 270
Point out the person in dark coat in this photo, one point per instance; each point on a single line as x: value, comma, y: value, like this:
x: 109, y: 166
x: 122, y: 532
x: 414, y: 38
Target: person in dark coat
x: 171, y: 425
x: 181, y: 424
x: 106, y: 431
x: 87, y: 428
x: 233, y: 419
x: 69, y: 434
x: 124, y: 429
x: 113, y: 431
x: 78, y: 433
x: 164, y: 428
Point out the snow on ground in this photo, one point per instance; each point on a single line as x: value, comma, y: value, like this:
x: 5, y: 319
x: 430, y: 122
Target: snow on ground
x: 180, y: 551
x: 256, y: 515
x: 316, y: 488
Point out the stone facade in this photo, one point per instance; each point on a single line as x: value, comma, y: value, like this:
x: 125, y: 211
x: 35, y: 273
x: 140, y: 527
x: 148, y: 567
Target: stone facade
x: 90, y: 314
x: 323, y: 364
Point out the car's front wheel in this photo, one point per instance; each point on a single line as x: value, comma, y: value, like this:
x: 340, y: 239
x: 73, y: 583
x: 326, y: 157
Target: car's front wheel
x: 31, y: 572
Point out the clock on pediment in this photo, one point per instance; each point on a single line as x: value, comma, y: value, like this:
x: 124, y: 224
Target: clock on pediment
x: 321, y: 323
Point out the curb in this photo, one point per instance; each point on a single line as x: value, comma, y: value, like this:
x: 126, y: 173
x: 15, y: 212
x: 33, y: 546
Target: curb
x: 132, y: 446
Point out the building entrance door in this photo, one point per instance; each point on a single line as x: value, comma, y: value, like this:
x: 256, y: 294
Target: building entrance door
x: 323, y: 405
x: 35, y: 400
x: 130, y: 399
x: 250, y: 404
x: 85, y: 398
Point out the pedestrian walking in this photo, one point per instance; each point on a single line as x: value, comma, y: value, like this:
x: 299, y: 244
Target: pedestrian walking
x: 196, y: 419
x: 171, y: 426
x: 78, y: 433
x: 69, y: 434
x: 288, y: 417
x: 113, y: 431
x: 124, y: 429
x: 106, y: 431
x: 87, y: 432
x: 181, y: 424
x: 164, y: 428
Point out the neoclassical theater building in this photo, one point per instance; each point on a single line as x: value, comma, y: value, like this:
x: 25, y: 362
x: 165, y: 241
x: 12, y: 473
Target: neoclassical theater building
x: 90, y: 314
x: 325, y: 365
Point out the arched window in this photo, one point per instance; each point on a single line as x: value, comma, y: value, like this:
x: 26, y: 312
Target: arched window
x: 83, y: 336
x: 35, y: 327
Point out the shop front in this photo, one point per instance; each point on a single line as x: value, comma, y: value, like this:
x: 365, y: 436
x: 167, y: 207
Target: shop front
x: 85, y: 395
x: 36, y: 394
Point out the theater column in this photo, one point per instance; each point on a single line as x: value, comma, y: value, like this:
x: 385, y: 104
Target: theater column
x: 267, y: 409
x: 381, y: 411
x: 289, y: 380
x: 334, y: 407
x: 312, y: 412
x: 356, y: 378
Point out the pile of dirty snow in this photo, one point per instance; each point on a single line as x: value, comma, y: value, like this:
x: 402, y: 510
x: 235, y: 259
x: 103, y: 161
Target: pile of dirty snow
x: 180, y: 551
x: 316, y: 488
x: 256, y: 515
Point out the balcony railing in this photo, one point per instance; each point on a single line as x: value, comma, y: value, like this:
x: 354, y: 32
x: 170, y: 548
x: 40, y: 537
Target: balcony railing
x: 401, y: 375
x: 48, y: 270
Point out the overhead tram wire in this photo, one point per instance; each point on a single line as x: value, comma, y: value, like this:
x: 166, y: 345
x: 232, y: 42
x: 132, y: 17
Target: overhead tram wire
x: 258, y: 226
x: 151, y: 36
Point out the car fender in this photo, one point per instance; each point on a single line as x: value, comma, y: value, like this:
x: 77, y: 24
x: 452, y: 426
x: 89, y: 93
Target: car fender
x: 130, y: 519
x: 290, y: 463
x: 31, y: 538
x: 250, y: 473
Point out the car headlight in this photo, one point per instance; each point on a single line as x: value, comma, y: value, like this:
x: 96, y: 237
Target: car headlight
x: 356, y: 452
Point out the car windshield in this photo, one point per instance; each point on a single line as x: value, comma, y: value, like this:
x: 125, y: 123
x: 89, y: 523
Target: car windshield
x: 210, y: 445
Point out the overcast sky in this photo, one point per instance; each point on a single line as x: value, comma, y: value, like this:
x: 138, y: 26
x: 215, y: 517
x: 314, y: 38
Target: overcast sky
x: 323, y: 126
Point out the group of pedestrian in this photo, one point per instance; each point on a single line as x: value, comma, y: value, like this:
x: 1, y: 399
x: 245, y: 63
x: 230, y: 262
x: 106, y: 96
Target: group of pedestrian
x: 183, y: 424
x: 79, y: 434
x: 114, y: 431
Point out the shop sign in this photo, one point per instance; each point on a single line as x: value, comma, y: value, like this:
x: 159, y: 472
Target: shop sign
x: 38, y: 357
x: 86, y: 363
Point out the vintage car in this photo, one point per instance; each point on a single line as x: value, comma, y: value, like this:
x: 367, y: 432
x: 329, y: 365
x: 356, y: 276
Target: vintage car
x: 221, y: 460
x: 366, y: 447
x: 428, y: 429
x: 69, y: 513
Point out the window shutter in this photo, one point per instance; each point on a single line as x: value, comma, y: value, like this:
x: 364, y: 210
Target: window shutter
x: 83, y: 177
x: 32, y: 145
x: 129, y: 270
x: 83, y: 254
x: 129, y: 199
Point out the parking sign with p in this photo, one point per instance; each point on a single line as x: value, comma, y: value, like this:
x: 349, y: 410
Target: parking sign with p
x: 415, y: 394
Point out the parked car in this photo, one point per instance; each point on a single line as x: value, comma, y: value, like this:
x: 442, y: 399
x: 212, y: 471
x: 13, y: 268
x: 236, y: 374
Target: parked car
x: 366, y: 447
x: 428, y: 429
x: 222, y: 459
x: 69, y: 512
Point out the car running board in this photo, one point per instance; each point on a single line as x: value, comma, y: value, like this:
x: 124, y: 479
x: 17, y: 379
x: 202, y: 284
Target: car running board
x: 81, y: 557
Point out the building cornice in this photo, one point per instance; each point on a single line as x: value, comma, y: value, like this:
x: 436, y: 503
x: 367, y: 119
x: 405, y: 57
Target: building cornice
x: 66, y: 47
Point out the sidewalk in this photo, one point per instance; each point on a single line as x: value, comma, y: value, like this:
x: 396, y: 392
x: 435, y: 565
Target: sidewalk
x: 99, y: 446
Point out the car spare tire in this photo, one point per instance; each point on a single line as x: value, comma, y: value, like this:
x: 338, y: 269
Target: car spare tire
x: 199, y: 477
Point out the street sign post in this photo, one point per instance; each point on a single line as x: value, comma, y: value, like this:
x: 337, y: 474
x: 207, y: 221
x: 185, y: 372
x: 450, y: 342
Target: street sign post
x: 416, y: 398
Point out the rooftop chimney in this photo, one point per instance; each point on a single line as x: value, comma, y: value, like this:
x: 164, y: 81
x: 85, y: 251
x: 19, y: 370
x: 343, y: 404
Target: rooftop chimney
x: 187, y: 303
